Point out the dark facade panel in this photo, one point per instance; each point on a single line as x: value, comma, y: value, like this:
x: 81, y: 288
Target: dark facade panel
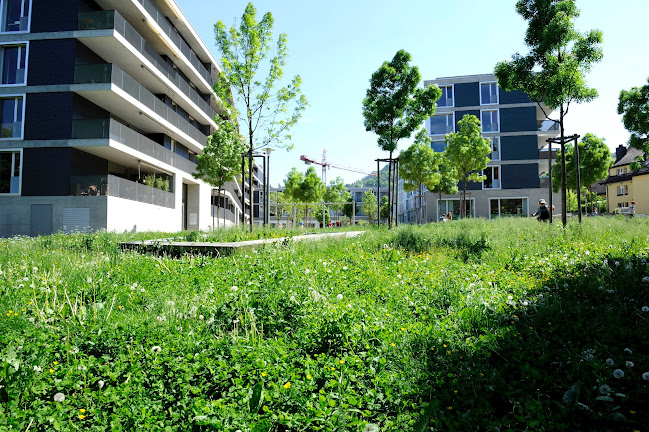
x: 46, y: 171
x: 54, y: 15
x: 48, y: 116
x: 85, y: 55
x: 519, y: 147
x: 467, y: 94
x: 513, y: 97
x: 518, y: 119
x: 469, y: 186
x: 86, y: 164
x: 460, y: 114
x: 82, y: 108
x: 520, y: 176
x: 51, y: 62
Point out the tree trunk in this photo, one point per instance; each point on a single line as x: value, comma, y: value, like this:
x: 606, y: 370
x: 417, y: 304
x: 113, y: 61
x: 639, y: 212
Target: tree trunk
x: 463, y: 201
x: 421, y: 209
x: 251, y: 187
x: 564, y: 215
x: 218, y: 204
x: 389, y: 194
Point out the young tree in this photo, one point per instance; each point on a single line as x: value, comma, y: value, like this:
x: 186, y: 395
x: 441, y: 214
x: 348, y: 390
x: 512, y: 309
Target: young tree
x: 394, y: 107
x: 317, y: 214
x: 265, y: 113
x: 369, y: 206
x: 634, y: 105
x: 594, y: 162
x: 553, y: 73
x: 468, y: 152
x: 448, y: 178
x: 306, y: 188
x: 336, y: 193
x: 385, y: 208
x: 220, y: 159
x: 419, y: 167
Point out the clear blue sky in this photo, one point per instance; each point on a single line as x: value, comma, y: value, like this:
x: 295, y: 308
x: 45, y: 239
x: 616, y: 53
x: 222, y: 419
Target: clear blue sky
x: 336, y: 45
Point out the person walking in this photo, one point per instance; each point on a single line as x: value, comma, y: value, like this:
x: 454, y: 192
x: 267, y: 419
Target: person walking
x: 632, y: 209
x: 542, y: 213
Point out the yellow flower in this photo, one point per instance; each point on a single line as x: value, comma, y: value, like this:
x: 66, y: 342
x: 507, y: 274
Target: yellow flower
x: 51, y: 370
x: 393, y: 344
x: 403, y: 329
x: 10, y: 312
x: 81, y: 416
x: 309, y: 377
x: 342, y: 361
x: 82, y: 410
x: 444, y: 345
x: 55, y: 363
x: 264, y: 374
x: 120, y: 306
x: 287, y: 385
x: 449, y: 408
x: 632, y: 412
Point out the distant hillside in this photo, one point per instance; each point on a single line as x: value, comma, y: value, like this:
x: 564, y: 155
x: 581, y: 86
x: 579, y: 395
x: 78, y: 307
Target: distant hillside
x: 370, y: 181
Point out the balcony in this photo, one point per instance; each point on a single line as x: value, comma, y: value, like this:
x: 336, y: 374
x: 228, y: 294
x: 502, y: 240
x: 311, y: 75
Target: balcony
x: 112, y: 20
x: 177, y: 40
x: 116, y: 131
x: 548, y: 126
x: 110, y: 185
x: 111, y: 74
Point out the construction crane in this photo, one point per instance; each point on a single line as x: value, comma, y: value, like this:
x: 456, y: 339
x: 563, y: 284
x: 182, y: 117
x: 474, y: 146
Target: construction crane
x: 328, y: 165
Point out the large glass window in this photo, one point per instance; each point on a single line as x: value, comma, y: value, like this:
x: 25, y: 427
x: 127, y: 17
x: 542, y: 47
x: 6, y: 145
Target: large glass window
x: 441, y: 124
x: 493, y: 178
x: 490, y: 121
x: 11, y: 117
x: 9, y: 172
x: 438, y: 146
x: 14, y: 15
x: 506, y: 207
x: 488, y: 93
x: 495, y: 149
x: 453, y: 206
x: 447, y: 97
x: 12, y: 62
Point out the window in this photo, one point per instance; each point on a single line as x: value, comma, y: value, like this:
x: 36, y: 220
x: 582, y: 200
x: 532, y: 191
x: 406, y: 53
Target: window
x: 489, y: 119
x: 9, y: 172
x: 504, y: 207
x: 14, y: 15
x: 441, y: 124
x: 493, y: 178
x: 438, y: 146
x: 621, y: 171
x: 620, y: 190
x: 626, y: 189
x: 11, y: 117
x: 495, y: 149
x: 488, y: 93
x: 447, y: 97
x: 453, y: 206
x: 12, y: 64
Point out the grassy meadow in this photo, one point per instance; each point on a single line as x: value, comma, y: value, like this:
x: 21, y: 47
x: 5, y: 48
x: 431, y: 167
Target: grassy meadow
x: 505, y: 325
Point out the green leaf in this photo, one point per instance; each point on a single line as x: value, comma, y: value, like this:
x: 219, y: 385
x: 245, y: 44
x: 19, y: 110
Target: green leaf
x: 255, y: 398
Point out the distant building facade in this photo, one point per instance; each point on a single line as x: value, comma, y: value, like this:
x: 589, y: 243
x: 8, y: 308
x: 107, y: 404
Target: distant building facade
x: 624, y: 185
x: 516, y: 176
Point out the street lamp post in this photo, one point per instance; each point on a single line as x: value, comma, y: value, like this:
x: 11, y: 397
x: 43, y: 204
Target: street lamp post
x: 268, y: 151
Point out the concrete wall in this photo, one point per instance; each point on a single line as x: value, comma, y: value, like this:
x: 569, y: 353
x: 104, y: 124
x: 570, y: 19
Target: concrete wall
x: 15, y: 212
x: 126, y: 215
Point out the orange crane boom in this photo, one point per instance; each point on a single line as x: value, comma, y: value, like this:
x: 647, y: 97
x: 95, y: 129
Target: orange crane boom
x: 327, y: 165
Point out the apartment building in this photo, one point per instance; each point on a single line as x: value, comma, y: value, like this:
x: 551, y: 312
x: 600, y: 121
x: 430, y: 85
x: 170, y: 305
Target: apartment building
x: 104, y: 106
x: 516, y: 176
x: 624, y: 185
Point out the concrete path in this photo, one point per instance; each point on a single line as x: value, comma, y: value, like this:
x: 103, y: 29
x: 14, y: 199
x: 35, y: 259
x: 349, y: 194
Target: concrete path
x: 170, y: 247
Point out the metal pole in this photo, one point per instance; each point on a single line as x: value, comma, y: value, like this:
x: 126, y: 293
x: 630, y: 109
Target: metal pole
x: 243, y: 189
x: 354, y: 212
x: 378, y: 192
x: 323, y: 215
x: 549, y: 141
x: 294, y: 215
x: 396, y: 195
x: 263, y: 198
x: 577, y: 179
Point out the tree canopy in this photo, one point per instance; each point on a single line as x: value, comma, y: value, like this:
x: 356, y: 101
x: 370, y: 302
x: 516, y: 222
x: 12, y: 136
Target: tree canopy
x: 634, y: 106
x: 369, y: 206
x: 594, y: 161
x: 468, y: 152
x: 394, y: 105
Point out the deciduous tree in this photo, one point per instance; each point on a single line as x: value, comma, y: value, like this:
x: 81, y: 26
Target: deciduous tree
x: 266, y: 110
x: 468, y: 152
x: 419, y: 167
x: 394, y: 106
x: 634, y: 106
x: 221, y: 157
x: 553, y: 73
x: 369, y: 206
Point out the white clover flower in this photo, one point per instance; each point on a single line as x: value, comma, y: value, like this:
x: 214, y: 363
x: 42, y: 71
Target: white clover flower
x: 565, y: 285
x: 32, y: 319
x: 292, y: 298
x: 628, y: 350
x: 306, y: 271
x: 74, y: 350
x: 610, y: 362
x: 82, y: 368
x: 617, y: 263
x: 344, y: 267
x: 605, y: 389
x: 59, y: 397
x: 605, y: 263
x: 618, y: 373
x: 339, y: 297
x: 629, y: 364
x: 234, y: 288
x: 156, y: 349
x: 100, y: 383
x: 201, y: 317
x: 170, y: 303
x: 37, y: 369
x: 89, y: 279
x: 141, y: 289
x: 399, y: 276
x: 35, y: 268
x: 645, y: 308
x: 645, y: 376
x: 25, y: 279
x: 371, y: 427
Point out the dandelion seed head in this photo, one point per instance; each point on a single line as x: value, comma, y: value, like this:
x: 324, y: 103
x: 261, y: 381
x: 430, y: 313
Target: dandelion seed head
x: 628, y: 350
x: 629, y: 364
x: 339, y: 297
x: 605, y: 389
x: 101, y: 383
x: 610, y: 362
x: 156, y: 349
x: 59, y: 397
x: 645, y: 308
x: 618, y: 373
x: 645, y: 376
x: 234, y: 288
x: 37, y: 369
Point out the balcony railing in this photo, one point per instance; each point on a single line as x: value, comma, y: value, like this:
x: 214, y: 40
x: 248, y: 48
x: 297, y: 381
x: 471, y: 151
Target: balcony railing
x: 177, y: 40
x: 110, y: 185
x: 109, y: 73
x: 548, y: 125
x: 101, y: 20
x: 111, y: 128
